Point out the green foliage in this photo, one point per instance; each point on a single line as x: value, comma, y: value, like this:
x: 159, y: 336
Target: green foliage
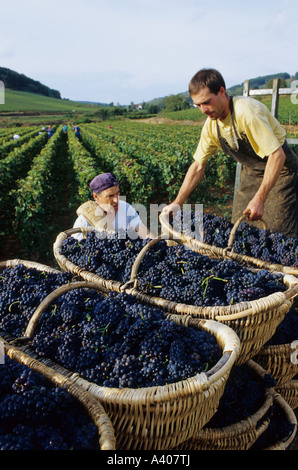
x: 43, y: 179
x: 37, y: 198
x: 85, y: 167
x: 176, y: 103
x: 14, y: 166
x: 282, y: 83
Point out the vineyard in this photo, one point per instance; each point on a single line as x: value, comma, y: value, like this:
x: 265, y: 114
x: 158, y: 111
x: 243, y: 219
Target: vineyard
x: 43, y: 181
x: 183, y: 359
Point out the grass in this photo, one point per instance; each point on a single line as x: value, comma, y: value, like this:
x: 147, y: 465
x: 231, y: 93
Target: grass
x: 20, y: 101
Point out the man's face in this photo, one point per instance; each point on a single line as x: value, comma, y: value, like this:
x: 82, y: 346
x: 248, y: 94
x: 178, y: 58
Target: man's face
x: 214, y: 106
x: 108, y: 199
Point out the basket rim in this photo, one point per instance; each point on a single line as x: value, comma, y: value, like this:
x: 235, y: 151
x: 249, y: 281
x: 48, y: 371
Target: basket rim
x: 12, y: 263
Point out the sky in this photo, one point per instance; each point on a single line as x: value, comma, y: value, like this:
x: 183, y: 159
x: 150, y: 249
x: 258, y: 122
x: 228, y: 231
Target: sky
x: 132, y: 51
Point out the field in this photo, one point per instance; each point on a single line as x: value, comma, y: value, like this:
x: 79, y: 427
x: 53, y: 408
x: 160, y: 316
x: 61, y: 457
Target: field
x: 44, y: 181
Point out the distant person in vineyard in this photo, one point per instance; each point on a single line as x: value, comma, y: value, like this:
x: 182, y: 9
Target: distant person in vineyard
x: 77, y: 131
x: 245, y: 130
x: 107, y: 211
x: 50, y: 131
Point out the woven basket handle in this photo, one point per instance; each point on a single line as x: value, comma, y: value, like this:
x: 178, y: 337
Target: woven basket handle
x: 235, y: 228
x: 52, y: 296
x: 139, y: 259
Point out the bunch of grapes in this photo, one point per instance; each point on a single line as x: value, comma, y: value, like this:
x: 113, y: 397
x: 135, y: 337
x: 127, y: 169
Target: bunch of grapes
x: 21, y: 291
x: 287, y: 331
x: 109, y: 255
x: 178, y: 274
x: 115, y: 341
x: 268, y: 246
x: 34, y: 415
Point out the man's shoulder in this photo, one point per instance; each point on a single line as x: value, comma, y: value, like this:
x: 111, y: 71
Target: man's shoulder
x: 247, y: 104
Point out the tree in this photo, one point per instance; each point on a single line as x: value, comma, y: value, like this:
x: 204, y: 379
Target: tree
x: 176, y: 103
x: 282, y: 83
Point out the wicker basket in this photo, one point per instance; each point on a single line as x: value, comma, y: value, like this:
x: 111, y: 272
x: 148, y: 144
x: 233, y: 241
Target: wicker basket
x: 106, y: 434
x: 67, y: 265
x: 254, y: 322
x: 158, y: 417
x: 238, y: 436
x: 289, y: 392
x: 289, y: 417
x: 279, y: 361
x: 228, y: 252
x: 12, y: 263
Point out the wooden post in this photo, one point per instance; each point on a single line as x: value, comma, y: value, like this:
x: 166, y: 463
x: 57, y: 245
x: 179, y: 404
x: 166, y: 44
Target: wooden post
x: 238, y: 165
x: 275, y: 97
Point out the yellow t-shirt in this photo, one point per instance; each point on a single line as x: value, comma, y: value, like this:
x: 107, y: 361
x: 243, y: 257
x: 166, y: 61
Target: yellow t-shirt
x: 253, y: 122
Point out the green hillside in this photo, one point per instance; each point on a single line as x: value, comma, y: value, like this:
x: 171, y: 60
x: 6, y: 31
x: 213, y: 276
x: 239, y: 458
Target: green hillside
x: 21, y: 101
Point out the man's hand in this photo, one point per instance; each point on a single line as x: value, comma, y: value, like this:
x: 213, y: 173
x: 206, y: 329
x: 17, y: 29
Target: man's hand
x: 171, y: 208
x: 254, y: 210
x: 255, y: 207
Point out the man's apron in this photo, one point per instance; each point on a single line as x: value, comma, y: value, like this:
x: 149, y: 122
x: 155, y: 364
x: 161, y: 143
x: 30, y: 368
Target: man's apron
x: 281, y: 206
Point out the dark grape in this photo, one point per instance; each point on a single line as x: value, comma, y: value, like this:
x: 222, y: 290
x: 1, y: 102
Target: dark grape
x: 118, y: 342
x: 35, y: 415
x: 272, y: 247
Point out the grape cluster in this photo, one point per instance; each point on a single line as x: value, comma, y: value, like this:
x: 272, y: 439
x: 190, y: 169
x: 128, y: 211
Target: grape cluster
x: 115, y: 341
x: 109, y: 255
x: 243, y: 396
x: 287, y: 331
x: 21, y: 291
x: 34, y: 415
x: 268, y: 246
x: 181, y: 275
x: 171, y: 272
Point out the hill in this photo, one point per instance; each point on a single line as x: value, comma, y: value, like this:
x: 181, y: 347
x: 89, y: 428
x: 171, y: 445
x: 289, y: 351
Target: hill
x: 20, y: 82
x: 255, y: 83
x: 25, y: 102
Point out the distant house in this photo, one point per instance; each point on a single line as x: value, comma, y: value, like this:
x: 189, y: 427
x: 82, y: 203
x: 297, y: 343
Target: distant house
x: 136, y: 106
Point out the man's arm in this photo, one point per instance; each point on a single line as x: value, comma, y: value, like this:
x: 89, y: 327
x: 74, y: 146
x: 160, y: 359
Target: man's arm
x: 191, y: 180
x: 272, y: 171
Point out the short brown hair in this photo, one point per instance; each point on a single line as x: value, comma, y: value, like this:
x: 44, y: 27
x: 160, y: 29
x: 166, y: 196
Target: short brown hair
x: 210, y: 78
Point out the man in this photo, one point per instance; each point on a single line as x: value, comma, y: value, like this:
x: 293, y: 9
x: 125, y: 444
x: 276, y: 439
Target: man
x: 108, y: 211
x: 244, y: 129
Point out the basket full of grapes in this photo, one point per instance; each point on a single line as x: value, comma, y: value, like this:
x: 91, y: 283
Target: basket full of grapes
x: 243, y: 414
x: 43, y: 410
x: 158, y: 376
x: 242, y: 242
x: 279, y: 355
x: 103, y: 257
x: 251, y: 301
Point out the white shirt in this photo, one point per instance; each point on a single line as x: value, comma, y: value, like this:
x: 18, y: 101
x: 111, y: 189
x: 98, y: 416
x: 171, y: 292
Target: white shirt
x: 126, y: 218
